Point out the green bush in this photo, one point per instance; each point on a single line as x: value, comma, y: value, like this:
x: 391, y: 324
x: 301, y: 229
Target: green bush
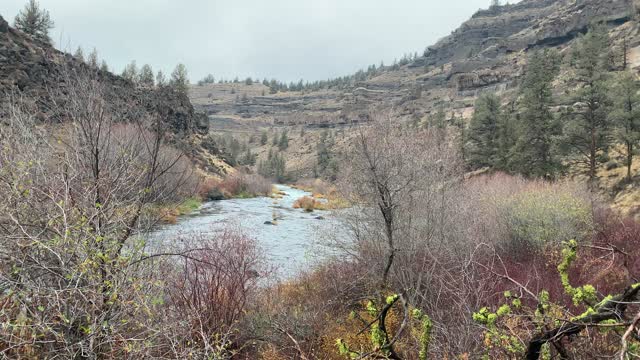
x: 542, y: 216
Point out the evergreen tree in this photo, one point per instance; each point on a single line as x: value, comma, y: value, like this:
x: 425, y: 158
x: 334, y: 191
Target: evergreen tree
x: 587, y: 130
x: 180, y: 79
x: 626, y: 116
x: 161, y: 80
x: 482, y: 140
x: 326, y: 166
x: 92, y: 61
x: 248, y: 158
x: 34, y: 21
x: 461, y: 125
x: 79, y: 54
x: 534, y: 154
x: 283, y: 144
x: 209, y: 79
x: 264, y: 138
x: 130, y: 72
x: 274, y: 167
x: 506, y: 138
x: 104, y: 67
x: 146, y: 76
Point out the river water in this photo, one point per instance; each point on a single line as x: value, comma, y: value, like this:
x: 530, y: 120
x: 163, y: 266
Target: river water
x: 291, y: 246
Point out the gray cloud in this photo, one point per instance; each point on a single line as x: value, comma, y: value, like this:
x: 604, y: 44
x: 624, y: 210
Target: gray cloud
x: 283, y: 39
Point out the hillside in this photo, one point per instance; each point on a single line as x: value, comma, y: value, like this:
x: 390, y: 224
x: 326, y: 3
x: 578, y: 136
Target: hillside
x: 36, y: 70
x: 487, y: 53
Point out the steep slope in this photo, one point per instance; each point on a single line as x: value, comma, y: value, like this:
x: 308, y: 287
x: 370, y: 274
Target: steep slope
x: 37, y: 70
x: 487, y: 53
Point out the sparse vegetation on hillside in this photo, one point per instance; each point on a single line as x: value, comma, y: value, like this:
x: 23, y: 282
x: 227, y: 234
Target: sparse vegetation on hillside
x: 472, y: 232
x: 35, y: 21
x: 535, y: 141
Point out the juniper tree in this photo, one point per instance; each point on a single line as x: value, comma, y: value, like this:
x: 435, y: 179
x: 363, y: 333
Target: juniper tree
x: 587, y: 129
x: 146, y: 76
x: 283, y: 143
x: 34, y: 21
x: 180, y: 79
x: 264, y: 138
x: 482, y: 137
x: 626, y: 116
x: 534, y: 154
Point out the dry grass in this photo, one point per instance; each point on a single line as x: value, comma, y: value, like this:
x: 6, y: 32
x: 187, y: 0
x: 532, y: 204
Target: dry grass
x: 323, y: 190
x: 309, y: 204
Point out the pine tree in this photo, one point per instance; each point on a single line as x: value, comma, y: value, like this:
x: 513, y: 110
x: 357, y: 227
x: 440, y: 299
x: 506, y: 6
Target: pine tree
x: 534, y: 154
x: 180, y: 79
x: 274, y: 167
x: 79, y: 54
x: 104, y: 67
x: 161, y: 80
x: 248, y: 158
x: 626, y: 115
x: 146, y: 76
x: 92, y: 61
x: 34, y: 21
x: 587, y: 130
x: 482, y: 140
x: 130, y: 72
x: 506, y: 138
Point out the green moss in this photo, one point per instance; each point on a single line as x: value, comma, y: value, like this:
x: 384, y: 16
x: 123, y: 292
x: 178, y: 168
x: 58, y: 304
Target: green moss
x: 425, y: 337
x: 378, y: 337
x: 503, y: 310
x: 391, y: 299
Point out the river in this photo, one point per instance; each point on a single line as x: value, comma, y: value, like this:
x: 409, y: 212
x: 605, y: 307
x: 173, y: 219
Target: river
x: 290, y: 246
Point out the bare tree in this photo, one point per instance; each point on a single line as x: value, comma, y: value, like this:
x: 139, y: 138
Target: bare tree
x: 74, y: 201
x: 402, y: 180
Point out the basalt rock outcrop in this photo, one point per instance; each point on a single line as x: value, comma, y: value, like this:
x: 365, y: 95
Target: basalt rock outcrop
x: 35, y: 69
x: 486, y: 53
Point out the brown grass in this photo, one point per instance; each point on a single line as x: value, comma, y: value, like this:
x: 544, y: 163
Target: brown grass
x: 321, y: 189
x: 309, y: 204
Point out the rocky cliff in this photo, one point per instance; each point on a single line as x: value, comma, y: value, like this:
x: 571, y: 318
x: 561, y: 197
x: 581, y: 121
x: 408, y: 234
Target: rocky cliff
x: 486, y: 53
x: 40, y: 72
x: 34, y: 68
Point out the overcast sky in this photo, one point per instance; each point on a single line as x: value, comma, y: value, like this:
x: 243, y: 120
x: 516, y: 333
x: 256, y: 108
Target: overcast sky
x: 283, y: 39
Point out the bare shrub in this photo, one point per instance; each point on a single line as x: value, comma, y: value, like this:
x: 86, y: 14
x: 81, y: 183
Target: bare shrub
x: 73, y: 200
x: 245, y: 185
x: 209, y: 289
